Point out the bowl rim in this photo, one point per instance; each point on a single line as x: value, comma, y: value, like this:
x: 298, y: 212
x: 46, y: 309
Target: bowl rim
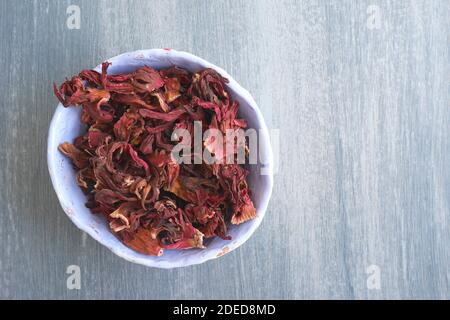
x: 239, y: 91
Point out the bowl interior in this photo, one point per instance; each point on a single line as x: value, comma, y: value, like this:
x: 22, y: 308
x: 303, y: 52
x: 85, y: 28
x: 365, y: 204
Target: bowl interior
x: 66, y: 126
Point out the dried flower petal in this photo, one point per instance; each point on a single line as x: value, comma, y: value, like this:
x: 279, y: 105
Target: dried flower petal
x: 79, y: 158
x: 125, y: 165
x: 146, y: 79
x: 144, y: 242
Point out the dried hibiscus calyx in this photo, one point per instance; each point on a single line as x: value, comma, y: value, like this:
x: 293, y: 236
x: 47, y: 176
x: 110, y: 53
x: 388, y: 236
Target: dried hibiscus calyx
x: 143, y: 241
x: 125, y: 162
x: 232, y: 178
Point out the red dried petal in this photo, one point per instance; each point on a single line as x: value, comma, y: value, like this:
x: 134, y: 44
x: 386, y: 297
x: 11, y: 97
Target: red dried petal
x: 190, y: 237
x: 142, y: 241
x: 137, y: 160
x: 146, y: 79
x: 79, y: 158
x: 172, y: 89
x: 96, y: 138
x: 125, y: 162
x: 170, y: 116
x: 132, y: 100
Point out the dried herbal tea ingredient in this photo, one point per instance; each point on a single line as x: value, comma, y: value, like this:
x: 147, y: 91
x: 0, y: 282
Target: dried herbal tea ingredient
x: 124, y: 162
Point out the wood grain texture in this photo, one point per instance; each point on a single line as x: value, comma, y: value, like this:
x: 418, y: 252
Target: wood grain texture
x: 363, y: 116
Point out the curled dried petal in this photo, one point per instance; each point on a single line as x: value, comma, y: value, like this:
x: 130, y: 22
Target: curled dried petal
x: 146, y: 79
x: 124, y: 160
x: 246, y: 212
x: 169, y: 116
x: 85, y: 178
x: 172, y: 89
x: 110, y: 198
x: 186, y: 236
x: 161, y: 102
x: 143, y: 241
x: 97, y: 138
x: 132, y: 100
x: 79, y: 158
x: 129, y: 127
x: 121, y: 214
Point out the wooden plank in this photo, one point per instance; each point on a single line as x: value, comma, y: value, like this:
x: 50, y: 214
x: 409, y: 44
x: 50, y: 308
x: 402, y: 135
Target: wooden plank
x: 363, y: 114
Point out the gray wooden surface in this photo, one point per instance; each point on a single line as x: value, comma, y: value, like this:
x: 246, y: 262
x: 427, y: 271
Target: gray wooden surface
x: 363, y: 113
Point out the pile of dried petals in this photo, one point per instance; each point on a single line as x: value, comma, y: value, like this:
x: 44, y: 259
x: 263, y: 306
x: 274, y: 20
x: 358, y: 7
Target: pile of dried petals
x: 124, y: 162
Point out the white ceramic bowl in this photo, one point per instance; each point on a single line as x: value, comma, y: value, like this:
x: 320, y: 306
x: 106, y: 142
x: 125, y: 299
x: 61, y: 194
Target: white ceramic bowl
x: 66, y: 125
